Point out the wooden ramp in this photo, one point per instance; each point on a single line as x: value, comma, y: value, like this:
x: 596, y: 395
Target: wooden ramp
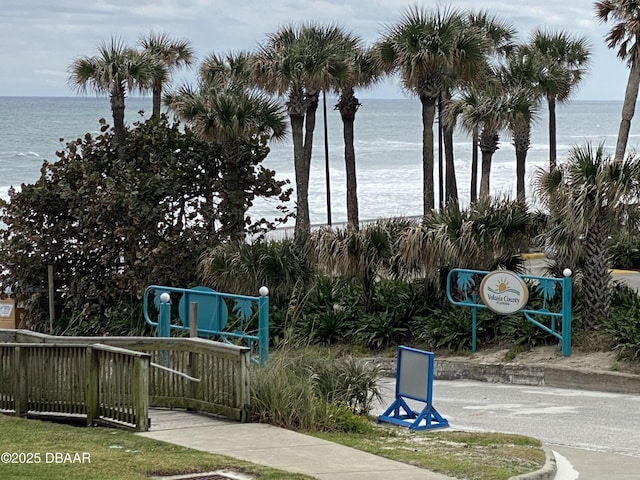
x: 178, y: 419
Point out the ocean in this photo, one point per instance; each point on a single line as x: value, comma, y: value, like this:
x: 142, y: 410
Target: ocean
x: 388, y: 149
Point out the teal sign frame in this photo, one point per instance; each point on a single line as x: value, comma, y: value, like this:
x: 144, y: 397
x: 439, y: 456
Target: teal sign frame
x: 463, y: 290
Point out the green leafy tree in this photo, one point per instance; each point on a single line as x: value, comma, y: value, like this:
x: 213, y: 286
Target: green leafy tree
x: 223, y: 111
x: 110, y: 227
x: 624, y: 35
x: 115, y: 70
x: 486, y: 236
x: 171, y: 54
x: 358, y: 254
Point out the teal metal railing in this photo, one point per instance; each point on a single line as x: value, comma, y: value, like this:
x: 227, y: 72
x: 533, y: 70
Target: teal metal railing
x: 206, y: 313
x: 463, y: 290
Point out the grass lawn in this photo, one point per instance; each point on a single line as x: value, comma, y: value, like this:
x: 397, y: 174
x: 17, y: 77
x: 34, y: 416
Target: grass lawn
x: 465, y: 455
x: 118, y: 454
x: 114, y: 455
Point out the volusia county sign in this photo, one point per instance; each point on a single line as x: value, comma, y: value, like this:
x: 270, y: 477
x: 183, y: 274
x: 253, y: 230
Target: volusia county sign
x: 504, y: 291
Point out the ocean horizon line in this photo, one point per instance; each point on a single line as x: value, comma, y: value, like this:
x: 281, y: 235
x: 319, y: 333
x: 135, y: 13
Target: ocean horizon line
x: 361, y: 97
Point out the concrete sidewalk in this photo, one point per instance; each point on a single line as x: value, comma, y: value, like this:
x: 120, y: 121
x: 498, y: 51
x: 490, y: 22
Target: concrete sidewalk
x: 278, y: 448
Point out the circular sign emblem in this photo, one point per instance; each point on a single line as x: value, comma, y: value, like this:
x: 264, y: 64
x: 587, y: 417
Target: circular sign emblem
x: 504, y: 291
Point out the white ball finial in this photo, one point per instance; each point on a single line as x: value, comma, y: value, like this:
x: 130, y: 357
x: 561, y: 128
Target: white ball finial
x: 165, y: 298
x: 264, y: 291
x: 567, y: 272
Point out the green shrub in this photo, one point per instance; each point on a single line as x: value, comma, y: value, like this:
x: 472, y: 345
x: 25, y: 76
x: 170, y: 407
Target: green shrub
x: 516, y: 329
x: 625, y: 249
x: 445, y: 328
x: 328, y: 314
x: 623, y: 323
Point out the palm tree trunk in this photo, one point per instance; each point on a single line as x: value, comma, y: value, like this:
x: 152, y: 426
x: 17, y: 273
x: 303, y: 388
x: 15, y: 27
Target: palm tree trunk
x: 473, y: 188
x: 521, y: 160
x: 232, y: 208
x: 597, y: 291
x: 628, y: 108
x: 488, y: 146
x: 117, y: 110
x: 310, y: 125
x: 521, y: 134
x: 303, y: 225
x: 348, y: 105
x: 428, y: 116
x: 552, y: 132
x: 157, y: 99
x: 451, y: 185
x: 486, y: 173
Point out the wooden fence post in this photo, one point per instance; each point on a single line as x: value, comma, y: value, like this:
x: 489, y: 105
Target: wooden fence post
x: 141, y: 392
x: 92, y: 399
x: 52, y: 292
x: 193, y: 319
x: 21, y: 381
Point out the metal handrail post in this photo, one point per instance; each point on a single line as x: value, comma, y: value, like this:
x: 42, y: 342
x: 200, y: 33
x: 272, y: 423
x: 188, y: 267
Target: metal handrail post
x: 566, y: 313
x: 263, y: 325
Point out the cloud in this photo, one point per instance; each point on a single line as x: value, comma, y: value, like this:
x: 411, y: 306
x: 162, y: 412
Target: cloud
x: 41, y: 38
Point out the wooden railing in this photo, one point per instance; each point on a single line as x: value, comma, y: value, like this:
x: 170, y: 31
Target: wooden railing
x: 190, y: 373
x: 103, y: 383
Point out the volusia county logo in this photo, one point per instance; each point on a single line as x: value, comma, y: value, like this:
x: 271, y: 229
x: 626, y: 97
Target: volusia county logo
x: 504, y: 292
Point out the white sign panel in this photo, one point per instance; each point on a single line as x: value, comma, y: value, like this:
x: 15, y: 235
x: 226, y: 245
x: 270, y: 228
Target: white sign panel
x: 5, y: 310
x: 504, y: 291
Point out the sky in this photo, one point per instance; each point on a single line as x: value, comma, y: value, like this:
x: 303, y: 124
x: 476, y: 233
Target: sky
x: 40, y: 38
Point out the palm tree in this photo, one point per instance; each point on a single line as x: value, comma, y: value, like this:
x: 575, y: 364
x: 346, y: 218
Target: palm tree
x: 171, y: 53
x: 521, y: 109
x: 625, y: 35
x: 590, y: 192
x: 225, y: 111
x: 115, y: 70
x: 486, y: 236
x: 299, y: 63
x: 482, y: 108
x: 563, y: 60
x: 499, y: 36
x: 424, y: 48
x: 360, y: 255
x: 363, y: 73
x: 519, y: 76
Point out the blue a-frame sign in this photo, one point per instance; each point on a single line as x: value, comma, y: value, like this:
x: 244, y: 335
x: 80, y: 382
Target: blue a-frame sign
x: 414, y: 381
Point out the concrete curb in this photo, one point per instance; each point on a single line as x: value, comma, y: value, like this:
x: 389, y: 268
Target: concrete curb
x: 547, y: 472
x: 523, y: 374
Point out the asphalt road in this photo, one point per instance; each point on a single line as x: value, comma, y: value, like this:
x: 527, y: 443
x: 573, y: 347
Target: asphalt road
x: 598, y: 433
